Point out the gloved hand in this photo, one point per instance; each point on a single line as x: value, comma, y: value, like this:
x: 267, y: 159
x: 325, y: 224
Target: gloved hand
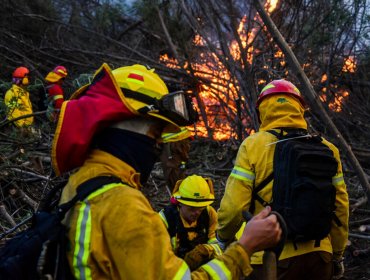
x: 338, y: 268
x: 200, y: 255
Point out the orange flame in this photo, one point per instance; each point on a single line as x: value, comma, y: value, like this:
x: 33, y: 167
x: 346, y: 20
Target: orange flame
x: 324, y: 78
x: 349, y: 65
x: 270, y: 5
x: 219, y: 80
x: 338, y: 102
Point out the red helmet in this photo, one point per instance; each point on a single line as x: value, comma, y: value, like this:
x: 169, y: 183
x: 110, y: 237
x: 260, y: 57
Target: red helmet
x: 61, y: 71
x: 21, y: 72
x: 279, y: 86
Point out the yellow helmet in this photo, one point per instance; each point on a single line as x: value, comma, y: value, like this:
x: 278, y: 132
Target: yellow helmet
x: 194, y: 191
x: 147, y: 93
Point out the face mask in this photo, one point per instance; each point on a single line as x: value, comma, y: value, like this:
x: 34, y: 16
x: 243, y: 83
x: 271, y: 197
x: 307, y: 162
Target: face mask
x: 25, y: 81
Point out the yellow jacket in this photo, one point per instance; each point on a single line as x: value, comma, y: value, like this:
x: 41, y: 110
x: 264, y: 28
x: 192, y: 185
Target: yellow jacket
x: 115, y: 233
x: 254, y: 163
x: 18, y: 104
x: 192, y: 235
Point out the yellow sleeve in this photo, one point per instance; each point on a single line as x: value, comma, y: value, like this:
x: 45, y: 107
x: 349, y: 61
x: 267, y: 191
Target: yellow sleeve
x: 237, y: 196
x: 339, y: 234
x: 212, y: 224
x: 233, y: 264
x: 9, y: 99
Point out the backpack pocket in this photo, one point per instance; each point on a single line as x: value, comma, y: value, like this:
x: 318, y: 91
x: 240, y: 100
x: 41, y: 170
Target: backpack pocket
x: 311, y: 211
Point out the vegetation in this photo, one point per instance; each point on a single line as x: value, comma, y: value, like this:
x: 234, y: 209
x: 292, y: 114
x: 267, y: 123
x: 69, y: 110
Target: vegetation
x: 218, y: 51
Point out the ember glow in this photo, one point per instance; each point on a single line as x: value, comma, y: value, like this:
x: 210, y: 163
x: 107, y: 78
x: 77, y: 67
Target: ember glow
x: 270, y: 5
x: 218, y: 89
x: 216, y: 79
x: 339, y: 98
x: 349, y: 65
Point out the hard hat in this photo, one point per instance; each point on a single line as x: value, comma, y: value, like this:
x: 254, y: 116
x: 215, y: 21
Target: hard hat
x: 194, y: 191
x: 20, y: 72
x: 147, y: 93
x: 56, y: 74
x: 280, y: 86
x: 61, y: 71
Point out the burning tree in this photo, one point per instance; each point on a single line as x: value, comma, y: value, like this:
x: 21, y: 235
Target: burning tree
x: 232, y: 56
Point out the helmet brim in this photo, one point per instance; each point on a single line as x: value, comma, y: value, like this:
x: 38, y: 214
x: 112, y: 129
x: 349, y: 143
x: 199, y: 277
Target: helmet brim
x: 193, y: 202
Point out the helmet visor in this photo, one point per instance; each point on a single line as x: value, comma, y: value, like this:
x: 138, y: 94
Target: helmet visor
x: 175, y: 106
x: 178, y: 107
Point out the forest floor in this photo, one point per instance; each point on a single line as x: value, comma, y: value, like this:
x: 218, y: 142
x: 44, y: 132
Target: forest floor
x: 26, y: 175
x: 215, y: 160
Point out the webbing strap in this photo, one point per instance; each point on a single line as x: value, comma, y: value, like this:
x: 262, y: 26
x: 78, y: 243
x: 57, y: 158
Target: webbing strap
x: 85, y: 189
x: 255, y: 195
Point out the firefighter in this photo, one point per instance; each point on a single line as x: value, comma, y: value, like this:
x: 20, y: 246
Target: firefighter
x: 55, y: 94
x: 175, y: 154
x: 113, y: 127
x: 191, y: 221
x: 280, y: 105
x: 17, y: 98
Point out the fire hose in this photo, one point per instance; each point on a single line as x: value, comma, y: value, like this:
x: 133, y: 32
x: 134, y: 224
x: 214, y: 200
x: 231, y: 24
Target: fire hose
x: 271, y: 255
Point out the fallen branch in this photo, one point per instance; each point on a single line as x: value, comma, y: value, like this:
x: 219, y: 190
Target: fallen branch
x: 15, y: 227
x: 4, y: 213
x: 17, y: 170
x: 360, y: 202
x: 360, y: 236
x: 3, y: 123
x: 359, y: 222
x: 16, y: 192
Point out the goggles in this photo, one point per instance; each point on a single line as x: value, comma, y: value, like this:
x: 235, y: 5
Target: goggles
x: 175, y: 106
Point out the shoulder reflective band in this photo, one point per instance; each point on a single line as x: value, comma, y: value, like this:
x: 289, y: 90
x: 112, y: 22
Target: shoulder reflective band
x: 243, y: 174
x: 56, y: 97
x: 163, y: 218
x: 338, y: 180
x: 83, y: 235
x: 183, y: 273
x: 217, y: 270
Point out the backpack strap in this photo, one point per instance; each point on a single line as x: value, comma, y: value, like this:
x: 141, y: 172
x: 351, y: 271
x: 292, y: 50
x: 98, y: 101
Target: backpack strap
x: 85, y: 189
x: 172, y: 216
x: 268, y: 179
x: 256, y: 196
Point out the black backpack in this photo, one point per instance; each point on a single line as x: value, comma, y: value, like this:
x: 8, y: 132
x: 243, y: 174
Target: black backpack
x: 176, y: 227
x: 39, y: 252
x: 302, y: 192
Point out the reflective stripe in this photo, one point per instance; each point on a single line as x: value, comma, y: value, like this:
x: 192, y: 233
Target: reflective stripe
x: 82, y: 241
x: 56, y: 97
x: 83, y: 235
x: 174, y: 243
x: 212, y: 241
x: 338, y: 180
x: 217, y: 248
x: 243, y: 174
x: 183, y: 273
x: 217, y: 270
x: 214, y: 247
x: 163, y: 217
